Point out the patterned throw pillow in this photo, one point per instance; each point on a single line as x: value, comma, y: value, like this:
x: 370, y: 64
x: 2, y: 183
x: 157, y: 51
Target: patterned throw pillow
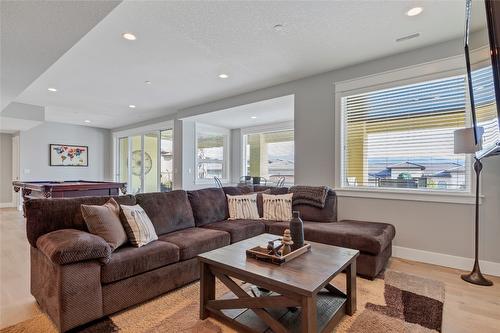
x: 104, y: 221
x: 277, y: 207
x: 139, y: 228
x: 243, y: 207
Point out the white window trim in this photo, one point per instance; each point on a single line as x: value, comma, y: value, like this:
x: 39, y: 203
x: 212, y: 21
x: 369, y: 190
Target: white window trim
x: 408, y: 195
x: 276, y: 127
x: 434, y: 70
x: 141, y: 130
x: 169, y: 124
x: 205, y: 128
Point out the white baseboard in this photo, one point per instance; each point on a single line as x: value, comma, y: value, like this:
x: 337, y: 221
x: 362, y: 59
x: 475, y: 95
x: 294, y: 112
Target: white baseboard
x: 487, y: 267
x: 7, y: 204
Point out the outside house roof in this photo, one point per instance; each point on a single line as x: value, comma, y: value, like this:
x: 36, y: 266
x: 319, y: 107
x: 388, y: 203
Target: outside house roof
x: 406, y: 165
x: 441, y: 170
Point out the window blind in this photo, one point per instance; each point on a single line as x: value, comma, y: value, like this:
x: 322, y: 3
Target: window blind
x: 402, y: 137
x: 484, y: 99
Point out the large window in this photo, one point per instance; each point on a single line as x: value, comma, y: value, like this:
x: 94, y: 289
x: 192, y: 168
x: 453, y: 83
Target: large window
x: 402, y: 137
x: 212, y: 147
x: 145, y: 161
x: 270, y: 155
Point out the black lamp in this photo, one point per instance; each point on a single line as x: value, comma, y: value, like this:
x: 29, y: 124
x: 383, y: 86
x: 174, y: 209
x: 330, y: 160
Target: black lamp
x: 465, y: 144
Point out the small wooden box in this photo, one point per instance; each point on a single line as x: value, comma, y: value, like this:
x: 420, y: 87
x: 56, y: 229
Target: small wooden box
x: 261, y: 253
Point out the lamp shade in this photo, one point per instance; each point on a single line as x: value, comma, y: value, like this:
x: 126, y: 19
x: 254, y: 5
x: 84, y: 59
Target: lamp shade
x: 464, y: 140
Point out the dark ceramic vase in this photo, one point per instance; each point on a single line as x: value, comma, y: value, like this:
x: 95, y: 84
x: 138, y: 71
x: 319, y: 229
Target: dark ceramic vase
x: 297, y: 231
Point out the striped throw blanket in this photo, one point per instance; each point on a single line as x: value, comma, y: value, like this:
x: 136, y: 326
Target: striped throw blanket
x: 309, y: 195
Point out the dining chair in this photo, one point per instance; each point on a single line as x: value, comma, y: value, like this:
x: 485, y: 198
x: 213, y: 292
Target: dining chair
x: 281, y: 181
x: 218, y: 182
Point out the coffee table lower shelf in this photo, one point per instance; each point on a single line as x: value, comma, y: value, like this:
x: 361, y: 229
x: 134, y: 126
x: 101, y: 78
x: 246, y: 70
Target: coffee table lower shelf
x: 299, y: 296
x: 330, y: 310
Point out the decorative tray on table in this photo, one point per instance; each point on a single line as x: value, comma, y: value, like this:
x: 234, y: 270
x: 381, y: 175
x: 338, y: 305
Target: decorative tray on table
x: 264, y: 254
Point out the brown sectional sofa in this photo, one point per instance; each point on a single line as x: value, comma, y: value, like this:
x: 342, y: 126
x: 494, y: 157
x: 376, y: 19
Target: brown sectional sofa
x: 76, y: 278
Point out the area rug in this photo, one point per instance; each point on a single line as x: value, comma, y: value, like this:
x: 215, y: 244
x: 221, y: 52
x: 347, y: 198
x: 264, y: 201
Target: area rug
x: 396, y: 302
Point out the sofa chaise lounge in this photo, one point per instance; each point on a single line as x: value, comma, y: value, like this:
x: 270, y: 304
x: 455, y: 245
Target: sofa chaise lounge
x: 76, y: 278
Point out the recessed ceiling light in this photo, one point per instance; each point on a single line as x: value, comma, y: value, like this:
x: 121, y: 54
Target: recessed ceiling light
x: 132, y: 106
x: 223, y: 76
x: 147, y: 82
x: 279, y: 27
x: 253, y: 117
x: 87, y: 121
x: 129, y: 36
x: 52, y: 89
x: 414, y: 11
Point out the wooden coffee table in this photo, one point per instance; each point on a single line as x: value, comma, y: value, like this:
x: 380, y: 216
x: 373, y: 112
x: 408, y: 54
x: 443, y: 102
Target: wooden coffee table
x: 302, y: 298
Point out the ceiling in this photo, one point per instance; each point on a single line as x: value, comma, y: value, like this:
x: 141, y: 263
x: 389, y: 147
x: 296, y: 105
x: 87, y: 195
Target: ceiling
x: 36, y: 33
x: 270, y: 111
x: 13, y: 125
x: 181, y: 48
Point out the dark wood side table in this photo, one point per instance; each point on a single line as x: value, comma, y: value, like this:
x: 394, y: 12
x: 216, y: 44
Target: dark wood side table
x: 302, y: 298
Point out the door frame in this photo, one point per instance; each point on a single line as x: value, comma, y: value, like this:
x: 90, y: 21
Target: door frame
x: 143, y: 130
x: 16, y: 170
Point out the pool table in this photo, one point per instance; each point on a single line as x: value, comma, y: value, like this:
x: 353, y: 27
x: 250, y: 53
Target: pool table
x: 67, y: 189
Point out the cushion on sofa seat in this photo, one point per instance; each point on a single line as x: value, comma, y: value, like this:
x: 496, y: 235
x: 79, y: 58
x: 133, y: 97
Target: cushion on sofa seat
x: 367, y: 237
x: 168, y: 211
x: 104, y: 221
x: 194, y: 241
x: 238, y: 229
x: 209, y: 205
x: 128, y: 261
x: 276, y: 227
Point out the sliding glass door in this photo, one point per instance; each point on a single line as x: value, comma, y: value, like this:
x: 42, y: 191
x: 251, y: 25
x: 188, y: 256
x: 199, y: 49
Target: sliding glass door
x: 135, y: 166
x: 270, y: 155
x: 150, y: 162
x: 145, y: 161
x: 166, y: 160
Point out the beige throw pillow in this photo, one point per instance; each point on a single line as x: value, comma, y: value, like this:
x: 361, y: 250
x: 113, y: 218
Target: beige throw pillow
x: 277, y: 207
x: 104, y: 221
x: 139, y: 228
x: 243, y: 207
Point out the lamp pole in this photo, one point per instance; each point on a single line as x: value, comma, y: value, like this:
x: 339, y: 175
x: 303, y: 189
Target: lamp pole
x: 475, y: 276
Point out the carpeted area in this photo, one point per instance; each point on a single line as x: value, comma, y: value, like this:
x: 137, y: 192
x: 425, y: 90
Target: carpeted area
x: 399, y: 302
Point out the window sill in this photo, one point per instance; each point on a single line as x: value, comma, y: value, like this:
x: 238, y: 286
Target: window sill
x: 408, y: 195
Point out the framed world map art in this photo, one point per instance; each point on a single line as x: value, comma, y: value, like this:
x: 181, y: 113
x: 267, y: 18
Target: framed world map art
x: 68, y: 155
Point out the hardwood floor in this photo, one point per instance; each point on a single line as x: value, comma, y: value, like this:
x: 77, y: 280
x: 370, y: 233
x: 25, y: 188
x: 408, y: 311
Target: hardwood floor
x: 468, y: 308
x: 16, y: 302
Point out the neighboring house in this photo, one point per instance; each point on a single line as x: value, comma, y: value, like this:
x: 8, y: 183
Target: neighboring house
x: 406, y: 168
x: 413, y: 175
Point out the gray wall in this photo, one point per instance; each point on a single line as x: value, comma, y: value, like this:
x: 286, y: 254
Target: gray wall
x: 5, y: 168
x: 430, y: 226
x: 178, y: 155
x: 188, y: 155
x: 34, y: 152
x: 236, y: 155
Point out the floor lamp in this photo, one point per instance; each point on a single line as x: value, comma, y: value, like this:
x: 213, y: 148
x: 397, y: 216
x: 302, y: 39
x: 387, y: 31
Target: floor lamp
x: 465, y: 144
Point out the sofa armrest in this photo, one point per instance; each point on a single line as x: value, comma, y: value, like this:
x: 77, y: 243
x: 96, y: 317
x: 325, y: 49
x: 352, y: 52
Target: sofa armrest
x: 67, y: 246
